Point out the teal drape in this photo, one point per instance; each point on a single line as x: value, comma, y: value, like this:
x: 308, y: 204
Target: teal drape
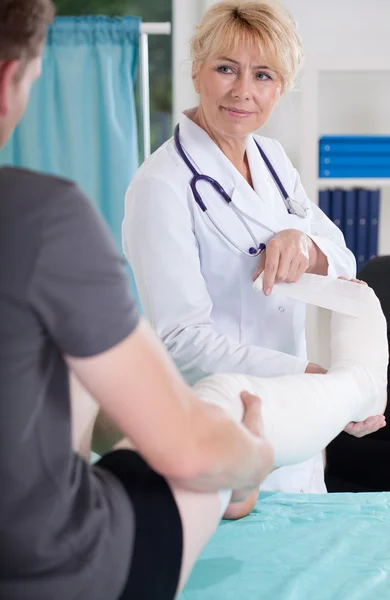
x: 81, y: 121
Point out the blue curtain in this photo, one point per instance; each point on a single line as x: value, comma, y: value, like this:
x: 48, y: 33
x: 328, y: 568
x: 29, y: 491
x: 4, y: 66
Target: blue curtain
x: 81, y: 121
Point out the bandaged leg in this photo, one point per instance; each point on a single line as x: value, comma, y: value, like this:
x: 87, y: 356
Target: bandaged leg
x: 303, y: 413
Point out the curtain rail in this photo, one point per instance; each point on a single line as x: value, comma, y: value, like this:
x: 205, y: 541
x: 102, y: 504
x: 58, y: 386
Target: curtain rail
x: 156, y: 28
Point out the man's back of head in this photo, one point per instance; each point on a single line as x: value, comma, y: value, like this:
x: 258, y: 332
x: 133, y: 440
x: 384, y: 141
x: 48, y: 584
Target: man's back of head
x: 23, y: 25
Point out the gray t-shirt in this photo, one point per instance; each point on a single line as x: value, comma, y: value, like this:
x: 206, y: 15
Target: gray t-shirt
x: 66, y: 530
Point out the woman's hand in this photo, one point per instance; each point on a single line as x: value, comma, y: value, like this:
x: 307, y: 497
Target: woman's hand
x: 314, y: 368
x: 289, y: 254
x: 354, y: 280
x: 370, y: 425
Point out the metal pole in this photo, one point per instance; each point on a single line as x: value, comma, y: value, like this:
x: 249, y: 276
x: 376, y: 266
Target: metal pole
x: 146, y: 30
x: 145, y: 93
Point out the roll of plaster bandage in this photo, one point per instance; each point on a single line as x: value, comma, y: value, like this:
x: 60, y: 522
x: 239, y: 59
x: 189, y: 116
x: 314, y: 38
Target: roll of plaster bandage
x: 303, y: 413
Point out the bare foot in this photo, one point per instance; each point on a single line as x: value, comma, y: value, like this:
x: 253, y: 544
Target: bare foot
x: 239, y: 510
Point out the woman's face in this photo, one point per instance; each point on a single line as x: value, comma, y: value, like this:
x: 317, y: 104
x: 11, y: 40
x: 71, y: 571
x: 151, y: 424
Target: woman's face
x: 237, y: 93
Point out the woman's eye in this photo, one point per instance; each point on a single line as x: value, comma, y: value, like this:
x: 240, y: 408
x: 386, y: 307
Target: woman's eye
x: 263, y: 76
x: 224, y: 69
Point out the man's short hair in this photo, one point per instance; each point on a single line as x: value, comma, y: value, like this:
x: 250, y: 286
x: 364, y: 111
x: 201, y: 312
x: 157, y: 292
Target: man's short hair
x: 23, y: 25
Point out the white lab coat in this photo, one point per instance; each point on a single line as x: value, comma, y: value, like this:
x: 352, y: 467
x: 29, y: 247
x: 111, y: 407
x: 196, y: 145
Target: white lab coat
x: 196, y: 289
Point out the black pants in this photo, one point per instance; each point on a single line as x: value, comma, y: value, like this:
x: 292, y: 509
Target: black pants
x: 154, y: 568
x: 359, y: 464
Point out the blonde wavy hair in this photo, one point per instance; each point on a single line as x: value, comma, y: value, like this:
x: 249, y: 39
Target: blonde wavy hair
x: 266, y: 23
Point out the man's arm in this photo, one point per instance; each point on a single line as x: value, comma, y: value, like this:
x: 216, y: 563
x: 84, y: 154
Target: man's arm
x: 79, y: 292
x: 139, y: 388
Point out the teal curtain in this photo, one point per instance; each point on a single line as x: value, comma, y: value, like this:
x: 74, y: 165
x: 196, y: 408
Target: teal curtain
x: 81, y: 121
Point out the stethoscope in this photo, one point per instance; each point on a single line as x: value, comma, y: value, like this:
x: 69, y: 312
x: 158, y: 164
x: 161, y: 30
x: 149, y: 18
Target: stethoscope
x: 292, y: 206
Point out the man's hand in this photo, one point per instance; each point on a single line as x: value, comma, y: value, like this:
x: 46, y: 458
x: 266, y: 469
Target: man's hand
x: 244, y: 501
x: 253, y: 421
x: 288, y: 255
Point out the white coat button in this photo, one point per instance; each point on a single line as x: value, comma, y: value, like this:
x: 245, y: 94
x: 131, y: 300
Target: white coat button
x: 281, y: 309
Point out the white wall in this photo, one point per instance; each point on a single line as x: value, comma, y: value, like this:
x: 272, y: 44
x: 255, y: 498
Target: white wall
x: 186, y: 15
x: 337, y: 34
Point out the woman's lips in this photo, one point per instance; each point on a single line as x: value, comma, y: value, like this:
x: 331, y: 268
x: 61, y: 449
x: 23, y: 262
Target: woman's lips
x: 235, y: 112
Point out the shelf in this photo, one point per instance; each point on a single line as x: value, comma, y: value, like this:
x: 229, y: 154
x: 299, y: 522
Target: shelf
x: 349, y: 67
x: 347, y: 182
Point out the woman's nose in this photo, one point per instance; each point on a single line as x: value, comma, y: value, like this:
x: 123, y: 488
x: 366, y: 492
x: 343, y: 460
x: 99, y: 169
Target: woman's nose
x: 242, y: 87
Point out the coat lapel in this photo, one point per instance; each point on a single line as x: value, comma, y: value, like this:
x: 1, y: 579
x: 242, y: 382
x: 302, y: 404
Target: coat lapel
x: 265, y: 209
x: 205, y: 155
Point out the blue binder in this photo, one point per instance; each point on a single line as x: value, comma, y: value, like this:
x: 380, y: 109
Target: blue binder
x: 355, y: 160
x: 355, y: 139
x: 337, y: 210
x: 373, y: 223
x: 362, y: 227
x: 355, y: 144
x: 354, y: 171
x: 324, y: 201
x: 349, y: 220
x: 356, y: 149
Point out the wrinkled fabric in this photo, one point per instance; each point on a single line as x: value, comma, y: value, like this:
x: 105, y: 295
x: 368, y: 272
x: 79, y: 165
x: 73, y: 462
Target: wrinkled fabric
x: 299, y: 547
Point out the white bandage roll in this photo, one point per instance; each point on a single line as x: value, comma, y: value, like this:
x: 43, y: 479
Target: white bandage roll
x: 303, y: 413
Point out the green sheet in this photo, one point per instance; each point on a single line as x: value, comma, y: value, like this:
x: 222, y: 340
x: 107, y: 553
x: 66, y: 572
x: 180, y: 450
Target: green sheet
x: 300, y: 547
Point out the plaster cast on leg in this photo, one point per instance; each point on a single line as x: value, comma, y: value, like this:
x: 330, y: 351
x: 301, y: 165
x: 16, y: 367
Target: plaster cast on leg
x: 303, y: 413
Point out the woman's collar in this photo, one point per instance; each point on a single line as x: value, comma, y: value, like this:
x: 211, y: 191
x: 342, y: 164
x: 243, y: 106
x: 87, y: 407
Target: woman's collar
x: 204, y: 153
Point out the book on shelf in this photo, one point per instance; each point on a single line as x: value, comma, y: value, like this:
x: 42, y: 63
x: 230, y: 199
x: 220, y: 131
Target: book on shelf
x: 349, y: 220
x: 356, y: 212
x: 337, y: 208
x: 373, y: 223
x: 324, y: 201
x: 362, y: 227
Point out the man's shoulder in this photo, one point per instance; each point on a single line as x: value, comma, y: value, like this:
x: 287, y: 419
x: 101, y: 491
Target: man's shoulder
x: 17, y: 180
x: 31, y: 197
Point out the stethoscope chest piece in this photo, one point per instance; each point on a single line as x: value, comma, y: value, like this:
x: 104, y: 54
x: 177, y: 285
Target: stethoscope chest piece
x: 296, y: 209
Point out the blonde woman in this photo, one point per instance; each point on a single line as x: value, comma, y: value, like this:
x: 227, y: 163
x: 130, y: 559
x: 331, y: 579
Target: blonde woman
x: 218, y: 204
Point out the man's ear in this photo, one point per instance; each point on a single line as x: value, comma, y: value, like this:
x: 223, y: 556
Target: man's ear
x: 8, y: 76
